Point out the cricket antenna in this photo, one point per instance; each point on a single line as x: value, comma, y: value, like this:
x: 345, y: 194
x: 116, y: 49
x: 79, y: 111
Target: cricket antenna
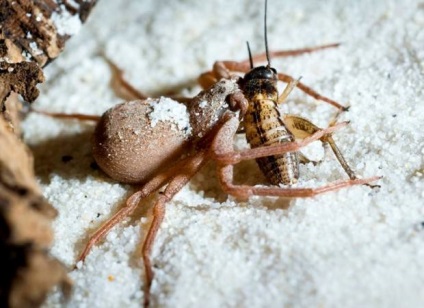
x: 250, y: 55
x: 266, y: 36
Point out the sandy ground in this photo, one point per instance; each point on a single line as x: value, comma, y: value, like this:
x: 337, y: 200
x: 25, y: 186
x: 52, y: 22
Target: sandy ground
x: 357, y: 247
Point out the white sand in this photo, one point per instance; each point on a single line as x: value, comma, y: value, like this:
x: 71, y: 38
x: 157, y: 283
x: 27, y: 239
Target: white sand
x: 352, y: 248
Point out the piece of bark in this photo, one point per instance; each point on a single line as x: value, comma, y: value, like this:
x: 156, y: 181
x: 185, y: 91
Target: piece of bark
x: 28, y: 272
x: 32, y: 34
x: 39, y: 28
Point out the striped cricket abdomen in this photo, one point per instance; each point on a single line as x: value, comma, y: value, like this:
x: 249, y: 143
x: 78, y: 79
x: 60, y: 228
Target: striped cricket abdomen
x: 264, y: 127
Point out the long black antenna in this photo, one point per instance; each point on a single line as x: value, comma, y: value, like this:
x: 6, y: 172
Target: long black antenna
x: 250, y: 55
x: 266, y: 36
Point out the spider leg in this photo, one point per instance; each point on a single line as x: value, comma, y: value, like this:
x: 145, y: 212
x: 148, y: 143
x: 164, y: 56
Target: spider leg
x: 224, y: 69
x: 175, y: 178
x: 309, y: 91
x: 290, y: 53
x: 132, y: 202
x: 223, y: 152
x: 122, y: 88
x: 69, y: 116
x: 130, y: 205
x: 221, y: 69
x: 187, y: 170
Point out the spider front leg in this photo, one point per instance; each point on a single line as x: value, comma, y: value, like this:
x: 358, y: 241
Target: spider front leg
x: 224, y: 69
x: 225, y: 156
x: 290, y: 53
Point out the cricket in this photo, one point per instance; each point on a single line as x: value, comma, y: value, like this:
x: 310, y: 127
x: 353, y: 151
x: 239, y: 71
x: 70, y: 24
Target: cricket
x: 162, y: 154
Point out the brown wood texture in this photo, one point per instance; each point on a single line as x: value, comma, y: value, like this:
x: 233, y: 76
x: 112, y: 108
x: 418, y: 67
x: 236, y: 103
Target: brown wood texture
x: 32, y: 34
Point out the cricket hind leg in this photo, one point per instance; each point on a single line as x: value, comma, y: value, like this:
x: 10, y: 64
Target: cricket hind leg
x: 225, y: 156
x: 302, y: 128
x: 303, y: 159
